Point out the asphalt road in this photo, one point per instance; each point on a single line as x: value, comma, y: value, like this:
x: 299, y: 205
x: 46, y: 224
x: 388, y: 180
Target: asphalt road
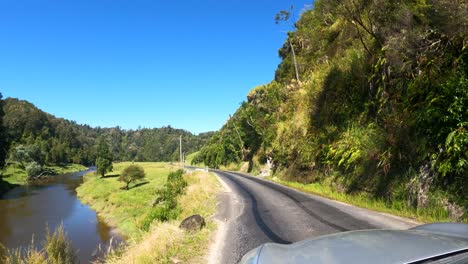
x: 255, y: 211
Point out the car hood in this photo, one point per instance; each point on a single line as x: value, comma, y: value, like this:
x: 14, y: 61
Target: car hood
x: 368, y: 246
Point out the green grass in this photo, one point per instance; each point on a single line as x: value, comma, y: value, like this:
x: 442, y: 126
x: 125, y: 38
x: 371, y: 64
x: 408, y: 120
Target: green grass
x: 126, y: 210
x: 119, y: 207
x: 13, y: 174
x: 399, y: 208
x: 189, y: 158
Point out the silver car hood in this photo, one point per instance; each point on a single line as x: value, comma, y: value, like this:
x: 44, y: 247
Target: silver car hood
x: 368, y: 246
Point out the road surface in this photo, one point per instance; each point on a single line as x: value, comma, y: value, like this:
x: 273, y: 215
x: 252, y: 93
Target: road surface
x: 254, y: 211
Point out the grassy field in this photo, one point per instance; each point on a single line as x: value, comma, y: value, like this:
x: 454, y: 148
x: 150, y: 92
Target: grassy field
x: 189, y: 158
x: 125, y: 210
x: 13, y: 174
x: 399, y: 208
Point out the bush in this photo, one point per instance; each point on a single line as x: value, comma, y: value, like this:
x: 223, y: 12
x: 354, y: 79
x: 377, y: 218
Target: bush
x: 176, y: 182
x: 58, y: 247
x: 33, y: 169
x: 132, y: 173
x: 166, y: 202
x: 161, y: 213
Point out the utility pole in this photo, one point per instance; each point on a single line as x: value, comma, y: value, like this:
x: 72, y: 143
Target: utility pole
x: 181, y: 158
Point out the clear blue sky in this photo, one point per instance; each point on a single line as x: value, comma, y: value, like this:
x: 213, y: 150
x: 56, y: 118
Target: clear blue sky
x: 134, y: 63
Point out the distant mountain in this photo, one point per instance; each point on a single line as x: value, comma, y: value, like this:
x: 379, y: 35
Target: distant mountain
x: 64, y: 141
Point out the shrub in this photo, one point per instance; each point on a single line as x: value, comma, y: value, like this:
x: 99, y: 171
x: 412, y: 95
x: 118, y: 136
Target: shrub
x: 166, y: 202
x: 161, y: 213
x: 176, y: 182
x: 132, y: 173
x: 33, y: 169
x: 58, y: 247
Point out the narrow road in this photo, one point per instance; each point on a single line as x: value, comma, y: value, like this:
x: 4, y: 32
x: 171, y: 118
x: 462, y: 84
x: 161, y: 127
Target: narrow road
x: 256, y: 211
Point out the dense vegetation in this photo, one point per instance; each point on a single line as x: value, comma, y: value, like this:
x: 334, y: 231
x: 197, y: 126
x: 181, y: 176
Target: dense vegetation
x: 379, y: 104
x: 32, y: 135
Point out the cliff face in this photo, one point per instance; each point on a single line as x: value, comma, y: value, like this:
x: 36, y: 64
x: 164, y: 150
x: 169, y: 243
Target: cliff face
x: 380, y: 105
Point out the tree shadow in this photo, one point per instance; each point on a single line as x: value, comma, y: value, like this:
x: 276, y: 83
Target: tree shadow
x: 139, y: 184
x: 111, y: 176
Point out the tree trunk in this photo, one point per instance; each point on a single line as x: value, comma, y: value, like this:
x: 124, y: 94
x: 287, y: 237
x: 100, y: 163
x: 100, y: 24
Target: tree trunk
x: 294, y: 60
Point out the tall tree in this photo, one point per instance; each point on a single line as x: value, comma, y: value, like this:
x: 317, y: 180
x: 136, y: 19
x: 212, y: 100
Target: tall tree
x: 104, y: 158
x: 3, y: 141
x: 285, y: 16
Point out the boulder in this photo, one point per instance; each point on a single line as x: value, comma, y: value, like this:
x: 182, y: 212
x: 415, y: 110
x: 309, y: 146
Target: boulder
x: 193, y: 223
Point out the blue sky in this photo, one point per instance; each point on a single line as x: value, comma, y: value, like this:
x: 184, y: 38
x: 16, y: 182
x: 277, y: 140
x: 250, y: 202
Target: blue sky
x: 134, y: 63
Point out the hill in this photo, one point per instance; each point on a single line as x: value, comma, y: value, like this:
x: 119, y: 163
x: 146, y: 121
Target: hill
x: 63, y: 141
x: 371, y: 97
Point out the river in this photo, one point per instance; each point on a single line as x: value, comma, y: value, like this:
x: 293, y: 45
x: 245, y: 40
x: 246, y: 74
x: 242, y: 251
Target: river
x: 26, y: 210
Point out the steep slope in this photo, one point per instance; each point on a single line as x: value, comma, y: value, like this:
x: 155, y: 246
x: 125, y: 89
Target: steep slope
x: 380, y: 106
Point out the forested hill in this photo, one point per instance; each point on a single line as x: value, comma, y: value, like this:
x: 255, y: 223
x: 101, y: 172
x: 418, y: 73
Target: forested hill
x: 379, y: 104
x: 57, y: 140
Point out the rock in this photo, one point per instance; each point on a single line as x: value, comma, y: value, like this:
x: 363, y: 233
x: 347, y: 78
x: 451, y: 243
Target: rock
x: 193, y: 223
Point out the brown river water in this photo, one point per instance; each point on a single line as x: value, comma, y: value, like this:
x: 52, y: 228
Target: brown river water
x: 26, y: 210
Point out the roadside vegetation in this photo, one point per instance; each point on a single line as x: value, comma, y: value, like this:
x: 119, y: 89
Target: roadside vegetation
x: 370, y: 101
x: 433, y: 213
x: 149, y: 213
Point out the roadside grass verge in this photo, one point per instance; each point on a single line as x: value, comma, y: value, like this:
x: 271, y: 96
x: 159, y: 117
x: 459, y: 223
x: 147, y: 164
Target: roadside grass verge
x: 398, y: 208
x: 166, y: 242
x: 127, y: 210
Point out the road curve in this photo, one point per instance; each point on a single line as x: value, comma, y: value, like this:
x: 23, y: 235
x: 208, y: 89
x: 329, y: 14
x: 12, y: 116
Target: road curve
x: 256, y: 211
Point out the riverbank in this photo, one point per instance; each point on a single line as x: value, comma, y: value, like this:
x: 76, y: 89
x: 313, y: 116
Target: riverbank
x: 128, y: 210
x: 30, y: 210
x: 13, y: 175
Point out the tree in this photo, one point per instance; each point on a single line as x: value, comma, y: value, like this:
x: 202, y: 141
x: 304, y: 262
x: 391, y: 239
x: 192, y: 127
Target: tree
x: 3, y: 141
x: 285, y: 16
x: 132, y: 173
x: 104, y: 158
x: 20, y: 154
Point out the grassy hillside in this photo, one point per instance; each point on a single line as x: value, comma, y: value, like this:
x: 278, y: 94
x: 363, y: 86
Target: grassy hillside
x: 130, y: 210
x: 377, y: 108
